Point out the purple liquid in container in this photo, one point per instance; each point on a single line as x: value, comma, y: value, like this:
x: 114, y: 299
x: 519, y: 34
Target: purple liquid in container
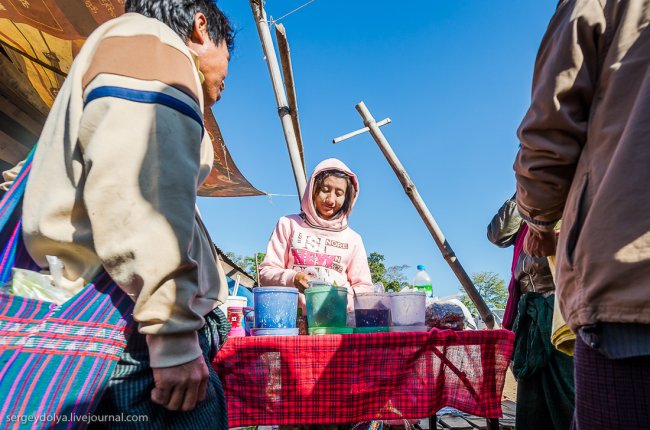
x: 372, y: 317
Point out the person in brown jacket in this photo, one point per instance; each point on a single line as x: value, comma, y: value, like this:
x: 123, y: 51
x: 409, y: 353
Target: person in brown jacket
x: 585, y: 158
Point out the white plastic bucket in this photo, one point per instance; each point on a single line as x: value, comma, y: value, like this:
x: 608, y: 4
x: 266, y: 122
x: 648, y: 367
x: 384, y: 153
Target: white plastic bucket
x: 407, y: 308
x: 408, y: 328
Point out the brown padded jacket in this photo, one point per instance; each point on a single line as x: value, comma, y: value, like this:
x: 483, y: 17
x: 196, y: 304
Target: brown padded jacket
x: 532, y: 273
x: 585, y: 157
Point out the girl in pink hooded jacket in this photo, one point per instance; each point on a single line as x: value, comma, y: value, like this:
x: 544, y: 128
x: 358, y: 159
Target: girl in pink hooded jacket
x: 317, y: 243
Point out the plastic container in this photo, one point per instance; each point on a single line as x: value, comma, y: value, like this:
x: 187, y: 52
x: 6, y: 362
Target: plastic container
x: 326, y: 305
x: 372, y: 309
x: 274, y: 331
x: 249, y: 320
x: 330, y: 330
x: 368, y: 330
x: 408, y: 308
x: 408, y: 328
x: 422, y: 281
x: 349, y: 319
x: 275, y: 307
x: 301, y: 323
x: 236, y: 316
x: 233, y: 301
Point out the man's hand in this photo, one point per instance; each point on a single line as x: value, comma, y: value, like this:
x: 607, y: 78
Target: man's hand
x: 300, y: 281
x: 539, y: 244
x: 180, y: 387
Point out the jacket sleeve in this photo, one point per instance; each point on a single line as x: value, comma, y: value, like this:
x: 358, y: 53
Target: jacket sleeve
x: 142, y: 162
x: 554, y: 129
x: 502, y: 230
x: 358, y: 270
x: 274, y: 270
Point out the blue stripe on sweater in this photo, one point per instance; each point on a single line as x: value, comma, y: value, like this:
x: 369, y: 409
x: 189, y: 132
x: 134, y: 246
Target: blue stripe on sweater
x: 145, y: 97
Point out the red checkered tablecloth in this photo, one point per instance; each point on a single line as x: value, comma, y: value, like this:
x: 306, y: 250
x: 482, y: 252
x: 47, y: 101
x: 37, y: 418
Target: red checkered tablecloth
x: 359, y: 377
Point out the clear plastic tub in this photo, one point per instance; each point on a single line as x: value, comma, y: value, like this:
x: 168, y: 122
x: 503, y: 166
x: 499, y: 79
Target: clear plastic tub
x: 407, y: 308
x: 408, y: 328
x: 372, y: 309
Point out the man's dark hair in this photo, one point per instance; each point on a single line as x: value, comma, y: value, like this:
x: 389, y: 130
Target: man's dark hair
x: 179, y: 16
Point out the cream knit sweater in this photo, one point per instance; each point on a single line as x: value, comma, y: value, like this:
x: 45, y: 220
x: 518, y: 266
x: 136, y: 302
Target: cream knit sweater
x: 114, y: 182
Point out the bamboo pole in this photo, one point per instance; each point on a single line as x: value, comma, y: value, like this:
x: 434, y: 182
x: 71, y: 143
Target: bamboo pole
x: 280, y: 96
x: 429, y: 221
x: 360, y: 131
x: 289, y: 84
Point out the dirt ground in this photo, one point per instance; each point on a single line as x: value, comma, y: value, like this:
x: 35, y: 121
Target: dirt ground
x: 510, y: 388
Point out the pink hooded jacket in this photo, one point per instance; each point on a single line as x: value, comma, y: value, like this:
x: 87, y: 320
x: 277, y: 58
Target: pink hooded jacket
x: 327, y: 250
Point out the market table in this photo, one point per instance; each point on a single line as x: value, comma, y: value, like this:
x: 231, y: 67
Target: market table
x: 334, y: 379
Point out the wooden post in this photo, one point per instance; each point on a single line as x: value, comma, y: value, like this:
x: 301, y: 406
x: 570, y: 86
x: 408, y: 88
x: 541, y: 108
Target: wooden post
x: 289, y: 84
x: 360, y: 131
x: 436, y: 233
x: 280, y: 96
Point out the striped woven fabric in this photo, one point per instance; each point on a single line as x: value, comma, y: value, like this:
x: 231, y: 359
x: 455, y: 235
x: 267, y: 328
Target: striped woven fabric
x: 55, y: 361
x: 12, y: 247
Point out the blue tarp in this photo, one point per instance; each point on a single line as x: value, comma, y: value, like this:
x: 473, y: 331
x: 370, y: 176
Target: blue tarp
x: 241, y: 291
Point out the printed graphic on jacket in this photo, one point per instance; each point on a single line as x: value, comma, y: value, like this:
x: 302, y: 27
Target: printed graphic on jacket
x: 310, y: 256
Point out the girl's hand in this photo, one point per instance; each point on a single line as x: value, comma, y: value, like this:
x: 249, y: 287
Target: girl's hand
x: 300, y: 281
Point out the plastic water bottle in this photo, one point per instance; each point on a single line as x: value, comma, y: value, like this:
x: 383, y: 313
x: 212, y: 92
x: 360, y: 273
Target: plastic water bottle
x: 422, y: 281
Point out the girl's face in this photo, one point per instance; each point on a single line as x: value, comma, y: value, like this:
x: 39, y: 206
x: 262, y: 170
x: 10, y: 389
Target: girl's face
x: 330, y: 197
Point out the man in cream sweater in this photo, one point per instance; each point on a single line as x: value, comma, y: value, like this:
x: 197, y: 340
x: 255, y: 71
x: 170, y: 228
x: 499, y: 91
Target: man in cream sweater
x: 113, y: 186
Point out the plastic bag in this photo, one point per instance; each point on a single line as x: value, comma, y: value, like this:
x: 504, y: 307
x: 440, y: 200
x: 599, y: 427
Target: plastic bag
x: 34, y: 285
x: 444, y: 315
x: 56, y: 269
x: 470, y: 323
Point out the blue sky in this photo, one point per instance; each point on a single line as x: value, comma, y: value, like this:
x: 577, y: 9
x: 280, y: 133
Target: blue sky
x: 455, y: 78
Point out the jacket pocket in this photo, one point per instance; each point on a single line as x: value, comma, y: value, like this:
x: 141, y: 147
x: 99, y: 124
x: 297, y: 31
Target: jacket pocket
x: 580, y: 214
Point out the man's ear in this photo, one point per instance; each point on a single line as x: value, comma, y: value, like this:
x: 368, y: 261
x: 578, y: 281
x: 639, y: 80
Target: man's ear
x: 199, y: 29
